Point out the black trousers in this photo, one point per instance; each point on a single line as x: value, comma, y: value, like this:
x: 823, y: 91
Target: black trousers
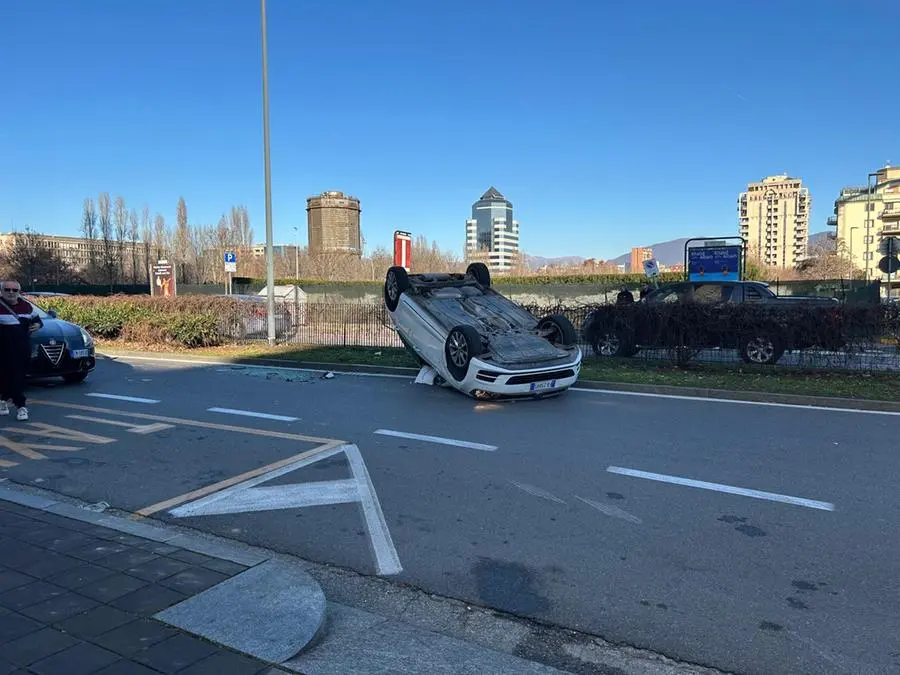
x: 14, y: 355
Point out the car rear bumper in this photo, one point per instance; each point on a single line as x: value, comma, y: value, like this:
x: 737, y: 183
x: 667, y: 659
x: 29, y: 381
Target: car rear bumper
x: 488, y: 378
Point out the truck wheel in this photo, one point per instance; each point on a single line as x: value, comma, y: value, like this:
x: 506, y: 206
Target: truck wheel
x: 761, y: 348
x: 559, y: 330
x: 606, y: 344
x: 463, y: 343
x: 480, y: 272
x: 395, y: 283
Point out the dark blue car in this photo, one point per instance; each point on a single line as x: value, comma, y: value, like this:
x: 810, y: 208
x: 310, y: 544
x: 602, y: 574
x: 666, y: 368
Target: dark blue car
x: 60, y: 349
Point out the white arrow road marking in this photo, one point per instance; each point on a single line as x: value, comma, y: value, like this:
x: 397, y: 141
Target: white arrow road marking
x: 537, y: 492
x: 246, y: 498
x: 719, y: 487
x: 610, y: 510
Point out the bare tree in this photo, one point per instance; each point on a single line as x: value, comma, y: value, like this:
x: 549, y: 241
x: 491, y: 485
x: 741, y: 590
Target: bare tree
x: 147, y: 237
x: 107, y: 243
x: 89, y: 232
x: 133, y: 234
x: 120, y: 220
x: 181, y: 242
x: 160, y: 236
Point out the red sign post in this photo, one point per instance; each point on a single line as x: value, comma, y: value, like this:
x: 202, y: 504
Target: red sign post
x: 402, y: 249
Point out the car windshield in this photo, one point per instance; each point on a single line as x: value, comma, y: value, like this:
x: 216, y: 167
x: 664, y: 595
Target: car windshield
x: 40, y: 312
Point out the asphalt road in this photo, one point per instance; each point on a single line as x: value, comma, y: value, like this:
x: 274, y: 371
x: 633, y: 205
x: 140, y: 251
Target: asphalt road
x: 528, y: 517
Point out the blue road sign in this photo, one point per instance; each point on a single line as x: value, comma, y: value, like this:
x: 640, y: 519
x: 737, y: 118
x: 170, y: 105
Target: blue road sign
x: 230, y: 257
x: 714, y: 263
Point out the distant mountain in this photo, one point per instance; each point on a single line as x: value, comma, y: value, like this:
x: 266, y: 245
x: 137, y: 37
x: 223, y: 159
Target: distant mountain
x: 666, y: 253
x: 820, y: 240
x: 534, y: 262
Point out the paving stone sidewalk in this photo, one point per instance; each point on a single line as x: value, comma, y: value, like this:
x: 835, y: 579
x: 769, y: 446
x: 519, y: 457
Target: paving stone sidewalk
x: 77, y: 599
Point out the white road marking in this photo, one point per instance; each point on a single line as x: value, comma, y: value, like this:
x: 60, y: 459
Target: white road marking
x: 248, y: 413
x: 537, y: 492
x: 610, y: 510
x: 719, y: 487
x: 582, y: 390
x: 437, y: 439
x: 707, y: 399
x: 118, y: 397
x: 246, y: 498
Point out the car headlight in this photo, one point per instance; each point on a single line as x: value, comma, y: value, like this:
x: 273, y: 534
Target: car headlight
x: 87, y: 337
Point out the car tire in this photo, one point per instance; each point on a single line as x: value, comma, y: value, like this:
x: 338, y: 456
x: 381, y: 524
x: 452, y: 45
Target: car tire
x: 462, y: 344
x: 761, y: 349
x: 74, y: 378
x: 563, y: 332
x: 396, y: 282
x: 480, y: 272
x: 607, y: 344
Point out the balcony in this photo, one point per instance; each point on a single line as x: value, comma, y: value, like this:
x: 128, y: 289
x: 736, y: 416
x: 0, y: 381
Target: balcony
x: 831, y: 221
x: 891, y: 212
x: 832, y: 236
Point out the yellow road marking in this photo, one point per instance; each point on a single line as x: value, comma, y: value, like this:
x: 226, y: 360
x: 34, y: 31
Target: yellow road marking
x: 50, y: 431
x: 21, y: 448
x: 133, y: 428
x: 234, y: 480
x: 193, y: 423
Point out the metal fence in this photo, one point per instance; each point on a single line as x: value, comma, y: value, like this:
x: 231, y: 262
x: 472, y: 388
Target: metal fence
x: 369, y: 325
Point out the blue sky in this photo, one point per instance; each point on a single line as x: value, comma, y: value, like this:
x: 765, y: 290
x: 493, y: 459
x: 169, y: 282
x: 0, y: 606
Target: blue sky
x: 606, y: 124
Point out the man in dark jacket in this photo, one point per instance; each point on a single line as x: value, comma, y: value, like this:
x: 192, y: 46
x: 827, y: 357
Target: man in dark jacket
x: 18, y: 319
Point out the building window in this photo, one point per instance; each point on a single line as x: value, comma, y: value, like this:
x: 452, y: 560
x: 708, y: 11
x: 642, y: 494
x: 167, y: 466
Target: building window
x: 868, y: 256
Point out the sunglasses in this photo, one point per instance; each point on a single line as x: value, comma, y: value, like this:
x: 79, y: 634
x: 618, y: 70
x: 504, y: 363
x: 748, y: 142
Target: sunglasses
x: 10, y: 290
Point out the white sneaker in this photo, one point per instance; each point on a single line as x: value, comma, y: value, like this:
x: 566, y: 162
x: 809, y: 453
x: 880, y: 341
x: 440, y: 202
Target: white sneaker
x: 4, y: 408
x: 22, y: 415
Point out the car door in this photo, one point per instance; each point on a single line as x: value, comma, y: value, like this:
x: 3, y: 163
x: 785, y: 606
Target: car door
x: 716, y: 297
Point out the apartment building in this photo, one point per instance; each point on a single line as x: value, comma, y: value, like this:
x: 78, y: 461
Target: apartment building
x: 333, y: 224
x: 492, y: 235
x: 864, y: 215
x: 774, y: 220
x: 638, y: 255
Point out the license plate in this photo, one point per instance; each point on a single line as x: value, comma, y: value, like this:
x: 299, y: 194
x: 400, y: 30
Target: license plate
x: 80, y: 353
x: 539, y: 386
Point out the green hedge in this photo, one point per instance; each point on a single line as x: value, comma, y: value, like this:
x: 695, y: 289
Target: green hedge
x: 190, y: 321
x: 538, y: 280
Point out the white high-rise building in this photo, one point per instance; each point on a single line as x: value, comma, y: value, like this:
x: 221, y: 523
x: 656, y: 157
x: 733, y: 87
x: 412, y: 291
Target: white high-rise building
x: 774, y: 220
x: 492, y: 236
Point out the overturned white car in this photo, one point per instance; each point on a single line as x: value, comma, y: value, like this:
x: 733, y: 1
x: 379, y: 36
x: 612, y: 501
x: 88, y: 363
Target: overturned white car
x: 478, y: 341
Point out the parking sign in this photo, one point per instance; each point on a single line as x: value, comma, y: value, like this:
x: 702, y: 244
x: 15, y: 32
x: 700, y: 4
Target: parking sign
x: 230, y: 261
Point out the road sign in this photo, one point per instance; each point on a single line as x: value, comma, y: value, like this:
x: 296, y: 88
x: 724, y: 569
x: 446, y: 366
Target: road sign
x: 651, y: 268
x: 890, y: 247
x: 714, y: 263
x: 402, y: 249
x: 230, y: 261
x: 889, y: 264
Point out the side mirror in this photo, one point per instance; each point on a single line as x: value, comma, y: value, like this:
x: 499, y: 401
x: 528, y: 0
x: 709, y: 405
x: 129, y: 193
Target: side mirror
x: 52, y: 313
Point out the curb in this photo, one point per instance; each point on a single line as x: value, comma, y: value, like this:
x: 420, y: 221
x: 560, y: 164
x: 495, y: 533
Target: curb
x: 594, y: 385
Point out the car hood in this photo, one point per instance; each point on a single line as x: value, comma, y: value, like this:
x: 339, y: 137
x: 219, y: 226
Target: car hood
x: 57, y: 329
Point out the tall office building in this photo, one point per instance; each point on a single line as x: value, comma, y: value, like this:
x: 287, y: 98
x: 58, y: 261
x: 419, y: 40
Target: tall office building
x: 333, y: 224
x: 638, y: 255
x: 866, y: 214
x: 774, y: 220
x: 492, y: 236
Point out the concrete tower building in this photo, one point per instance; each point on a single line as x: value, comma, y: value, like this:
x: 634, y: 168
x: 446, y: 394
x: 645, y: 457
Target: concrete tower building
x: 333, y: 224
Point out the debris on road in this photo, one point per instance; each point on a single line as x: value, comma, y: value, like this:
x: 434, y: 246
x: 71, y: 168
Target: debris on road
x: 328, y: 376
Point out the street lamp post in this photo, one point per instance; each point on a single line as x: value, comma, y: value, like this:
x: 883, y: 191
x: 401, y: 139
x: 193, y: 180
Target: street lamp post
x: 270, y: 253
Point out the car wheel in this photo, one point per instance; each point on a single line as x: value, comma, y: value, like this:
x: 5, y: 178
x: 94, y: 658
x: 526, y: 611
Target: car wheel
x: 480, y: 272
x: 762, y: 349
x: 462, y: 344
x: 395, y: 283
x: 607, y: 344
x: 74, y: 378
x: 558, y: 330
